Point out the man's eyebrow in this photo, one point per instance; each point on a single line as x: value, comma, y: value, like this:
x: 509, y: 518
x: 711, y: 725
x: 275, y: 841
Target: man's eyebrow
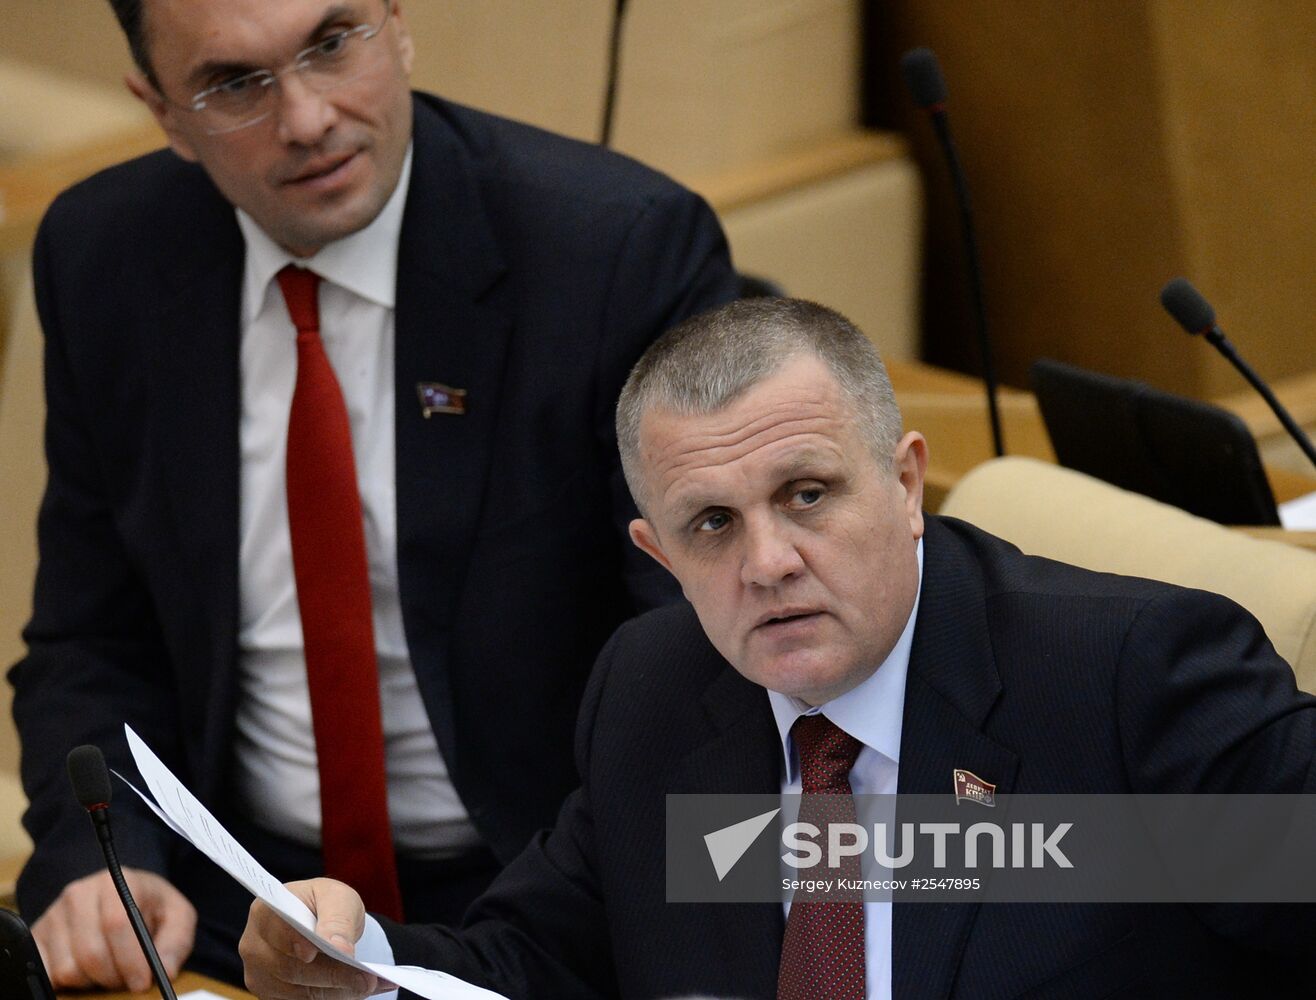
x: 810, y: 464
x: 687, y: 507
x: 339, y: 12
x: 214, y: 68
x: 804, y: 466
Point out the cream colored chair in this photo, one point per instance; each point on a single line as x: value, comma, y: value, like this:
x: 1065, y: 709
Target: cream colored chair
x: 1050, y: 511
x: 44, y: 110
x: 21, y: 482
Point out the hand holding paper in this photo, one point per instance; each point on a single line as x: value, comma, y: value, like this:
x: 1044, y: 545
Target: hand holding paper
x: 281, y: 962
x: 182, y: 812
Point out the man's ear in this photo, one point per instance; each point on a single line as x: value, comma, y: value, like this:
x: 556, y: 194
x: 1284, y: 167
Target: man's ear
x: 142, y: 89
x: 646, y: 539
x: 406, y: 47
x: 911, y: 465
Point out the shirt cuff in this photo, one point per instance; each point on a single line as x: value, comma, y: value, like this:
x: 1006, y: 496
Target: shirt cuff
x: 373, y: 946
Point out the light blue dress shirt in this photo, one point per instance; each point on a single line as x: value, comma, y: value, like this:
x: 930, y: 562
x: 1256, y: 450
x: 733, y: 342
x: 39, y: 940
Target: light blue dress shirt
x: 872, y: 714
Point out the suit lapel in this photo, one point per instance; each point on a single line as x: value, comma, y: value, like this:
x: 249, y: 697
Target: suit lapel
x: 452, y: 325
x: 194, y: 338
x: 741, y: 755
x: 952, y: 685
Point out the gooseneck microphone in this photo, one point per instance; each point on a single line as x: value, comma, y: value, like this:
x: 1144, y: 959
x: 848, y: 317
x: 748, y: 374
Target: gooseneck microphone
x: 91, y: 785
x: 928, y: 87
x: 1192, y: 312
x: 614, y: 70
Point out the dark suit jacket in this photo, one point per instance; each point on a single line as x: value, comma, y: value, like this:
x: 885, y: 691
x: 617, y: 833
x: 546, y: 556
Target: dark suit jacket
x: 533, y: 271
x: 1039, y: 676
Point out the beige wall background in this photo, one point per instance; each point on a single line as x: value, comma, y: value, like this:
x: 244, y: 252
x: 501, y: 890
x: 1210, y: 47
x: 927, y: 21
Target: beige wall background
x: 700, y: 78
x: 1112, y: 144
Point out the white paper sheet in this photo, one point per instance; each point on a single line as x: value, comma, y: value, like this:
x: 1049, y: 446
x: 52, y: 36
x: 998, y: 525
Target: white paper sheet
x: 1299, y: 514
x: 182, y: 812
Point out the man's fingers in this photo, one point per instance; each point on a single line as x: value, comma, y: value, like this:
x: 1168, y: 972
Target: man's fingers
x: 170, y: 917
x: 282, y: 965
x: 270, y: 933
x: 51, y: 935
x: 269, y: 958
x: 86, y: 940
x: 339, y: 913
x: 324, y: 978
x: 121, y: 946
x: 96, y: 924
x: 174, y: 939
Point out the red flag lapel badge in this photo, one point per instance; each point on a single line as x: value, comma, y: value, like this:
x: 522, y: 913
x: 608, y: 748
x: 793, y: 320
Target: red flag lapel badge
x: 971, y: 788
x: 435, y: 397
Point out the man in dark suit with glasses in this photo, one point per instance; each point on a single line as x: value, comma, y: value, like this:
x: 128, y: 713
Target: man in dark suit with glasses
x: 335, y: 512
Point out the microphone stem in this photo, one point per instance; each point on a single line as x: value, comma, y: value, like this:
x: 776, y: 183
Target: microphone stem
x: 942, y: 129
x: 101, y: 822
x: 1221, y: 343
x: 614, y: 69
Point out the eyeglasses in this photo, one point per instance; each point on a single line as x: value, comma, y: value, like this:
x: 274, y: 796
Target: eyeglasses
x: 331, y: 62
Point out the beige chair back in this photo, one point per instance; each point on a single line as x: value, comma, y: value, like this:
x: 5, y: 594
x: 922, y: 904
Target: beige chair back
x: 23, y: 476
x: 1055, y: 512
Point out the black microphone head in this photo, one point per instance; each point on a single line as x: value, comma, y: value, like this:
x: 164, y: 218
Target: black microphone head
x: 89, y: 776
x: 1187, y: 305
x: 923, y: 77
x: 12, y: 928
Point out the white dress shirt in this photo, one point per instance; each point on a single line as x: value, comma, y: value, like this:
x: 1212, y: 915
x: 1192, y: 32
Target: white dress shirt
x: 276, y: 768
x: 872, y: 713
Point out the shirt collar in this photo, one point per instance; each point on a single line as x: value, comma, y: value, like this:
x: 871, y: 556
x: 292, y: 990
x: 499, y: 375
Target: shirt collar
x: 365, y: 262
x: 872, y: 712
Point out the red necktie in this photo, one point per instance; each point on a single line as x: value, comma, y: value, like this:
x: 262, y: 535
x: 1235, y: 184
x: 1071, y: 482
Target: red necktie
x: 822, y: 954
x: 333, y: 595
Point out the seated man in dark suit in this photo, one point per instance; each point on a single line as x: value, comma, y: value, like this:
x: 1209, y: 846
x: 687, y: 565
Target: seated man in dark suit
x: 334, y: 498
x: 835, y: 630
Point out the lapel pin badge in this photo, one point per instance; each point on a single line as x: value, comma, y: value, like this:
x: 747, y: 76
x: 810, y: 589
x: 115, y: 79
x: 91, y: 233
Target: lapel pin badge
x: 435, y: 397
x: 971, y: 788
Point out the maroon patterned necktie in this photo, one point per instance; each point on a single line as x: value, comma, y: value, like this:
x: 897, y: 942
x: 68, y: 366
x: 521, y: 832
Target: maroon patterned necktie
x: 333, y: 596
x: 822, y: 954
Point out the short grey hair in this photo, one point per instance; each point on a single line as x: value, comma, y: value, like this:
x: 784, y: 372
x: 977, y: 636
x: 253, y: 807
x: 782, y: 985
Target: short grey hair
x: 707, y: 361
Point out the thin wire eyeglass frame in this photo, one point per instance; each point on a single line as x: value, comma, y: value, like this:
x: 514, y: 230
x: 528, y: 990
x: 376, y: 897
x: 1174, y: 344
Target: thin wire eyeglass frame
x: 304, y: 64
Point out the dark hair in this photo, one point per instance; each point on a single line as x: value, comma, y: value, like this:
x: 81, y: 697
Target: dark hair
x: 130, y: 15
